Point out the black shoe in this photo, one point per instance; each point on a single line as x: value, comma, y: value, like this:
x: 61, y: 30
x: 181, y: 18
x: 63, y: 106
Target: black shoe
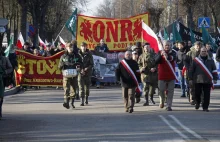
x: 183, y: 96
x: 82, y: 104
x: 146, y: 104
x: 197, y: 106
x: 152, y: 101
x: 86, y: 102
x: 206, y: 110
x: 131, y: 110
x: 169, y: 109
x: 126, y: 110
x: 66, y: 105
x: 138, y: 100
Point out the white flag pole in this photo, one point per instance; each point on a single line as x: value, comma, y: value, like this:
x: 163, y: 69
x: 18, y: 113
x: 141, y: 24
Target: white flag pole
x: 59, y: 33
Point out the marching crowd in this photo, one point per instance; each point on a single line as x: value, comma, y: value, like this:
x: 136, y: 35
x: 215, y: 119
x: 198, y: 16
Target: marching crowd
x: 141, y: 66
x: 197, y: 73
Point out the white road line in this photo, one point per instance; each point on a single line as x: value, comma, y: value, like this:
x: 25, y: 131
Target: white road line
x: 186, y: 128
x: 173, y: 128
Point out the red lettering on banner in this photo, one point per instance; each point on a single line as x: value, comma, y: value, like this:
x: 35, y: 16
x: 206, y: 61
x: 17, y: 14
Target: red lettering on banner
x: 126, y: 27
x: 101, y: 26
x: 113, y: 30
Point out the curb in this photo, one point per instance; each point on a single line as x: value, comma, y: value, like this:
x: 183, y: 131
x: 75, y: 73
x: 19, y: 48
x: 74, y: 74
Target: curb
x: 12, y: 91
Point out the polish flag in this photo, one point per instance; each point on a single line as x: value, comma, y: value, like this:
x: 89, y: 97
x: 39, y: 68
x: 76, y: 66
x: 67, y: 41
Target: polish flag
x: 20, y: 41
x: 41, y: 42
x: 63, y: 44
x: 151, y: 37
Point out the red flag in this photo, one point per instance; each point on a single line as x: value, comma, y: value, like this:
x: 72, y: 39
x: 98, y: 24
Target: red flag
x: 151, y: 37
x: 41, y: 42
x: 20, y: 41
x: 63, y: 44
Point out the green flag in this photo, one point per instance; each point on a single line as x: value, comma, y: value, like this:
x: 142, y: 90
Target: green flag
x: 7, y: 51
x: 208, y: 39
x: 192, y: 37
x: 205, y: 35
x: 176, y: 34
x: 165, y: 34
x: 71, y: 23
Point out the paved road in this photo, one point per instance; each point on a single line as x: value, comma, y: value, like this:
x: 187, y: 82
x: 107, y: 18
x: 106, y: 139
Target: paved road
x: 38, y: 115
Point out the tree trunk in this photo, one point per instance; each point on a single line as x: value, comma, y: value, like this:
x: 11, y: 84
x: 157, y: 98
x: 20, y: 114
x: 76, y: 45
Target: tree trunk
x: 190, y: 17
x: 214, y: 18
x: 24, y: 20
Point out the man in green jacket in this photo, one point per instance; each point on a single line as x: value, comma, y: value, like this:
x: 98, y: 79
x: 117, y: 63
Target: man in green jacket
x: 84, y: 78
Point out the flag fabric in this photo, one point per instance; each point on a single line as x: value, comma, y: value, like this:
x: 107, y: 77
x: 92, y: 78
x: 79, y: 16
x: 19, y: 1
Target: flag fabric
x: 149, y: 36
x: 165, y: 34
x: 62, y: 41
x: 205, y: 35
x: 20, y: 41
x: 160, y: 35
x: 207, y: 38
x: 192, y: 37
x: 46, y: 42
x: 41, y: 42
x: 176, y: 34
x: 71, y: 23
x: 7, y: 51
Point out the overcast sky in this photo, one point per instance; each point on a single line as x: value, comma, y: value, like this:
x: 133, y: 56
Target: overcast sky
x: 91, y: 7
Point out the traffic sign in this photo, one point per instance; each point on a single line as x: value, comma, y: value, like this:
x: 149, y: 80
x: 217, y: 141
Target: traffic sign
x: 2, y: 29
x: 204, y: 21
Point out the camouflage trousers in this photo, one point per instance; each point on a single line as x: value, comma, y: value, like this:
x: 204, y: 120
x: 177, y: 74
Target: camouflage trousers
x: 84, y: 85
x: 69, y: 86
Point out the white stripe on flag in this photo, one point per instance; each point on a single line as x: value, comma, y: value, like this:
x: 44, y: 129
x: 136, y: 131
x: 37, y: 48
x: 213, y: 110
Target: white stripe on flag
x: 204, y: 67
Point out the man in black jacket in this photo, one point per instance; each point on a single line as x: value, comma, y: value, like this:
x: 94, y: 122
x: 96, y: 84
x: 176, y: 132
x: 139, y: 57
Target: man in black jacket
x: 181, y: 54
x: 128, y: 83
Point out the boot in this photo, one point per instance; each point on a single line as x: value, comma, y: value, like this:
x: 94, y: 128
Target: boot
x: 152, y: 99
x: 87, y: 100
x: 66, y: 103
x: 82, y: 102
x: 146, y: 103
x: 72, y: 103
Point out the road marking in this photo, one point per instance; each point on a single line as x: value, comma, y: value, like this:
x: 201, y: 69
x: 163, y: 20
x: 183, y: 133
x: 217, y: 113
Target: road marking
x: 186, y: 128
x: 173, y: 128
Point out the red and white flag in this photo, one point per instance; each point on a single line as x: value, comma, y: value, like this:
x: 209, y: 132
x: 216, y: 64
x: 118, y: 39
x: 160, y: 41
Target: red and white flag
x: 42, y: 44
x: 63, y: 43
x: 151, y: 37
x: 20, y: 41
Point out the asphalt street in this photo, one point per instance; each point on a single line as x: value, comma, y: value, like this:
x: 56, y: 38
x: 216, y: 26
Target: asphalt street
x: 38, y: 115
